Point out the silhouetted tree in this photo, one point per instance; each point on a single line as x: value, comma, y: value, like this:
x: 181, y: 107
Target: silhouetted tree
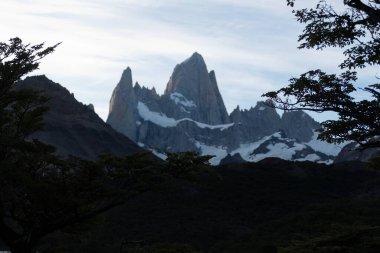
x: 40, y: 192
x: 356, y: 30
x: 188, y: 165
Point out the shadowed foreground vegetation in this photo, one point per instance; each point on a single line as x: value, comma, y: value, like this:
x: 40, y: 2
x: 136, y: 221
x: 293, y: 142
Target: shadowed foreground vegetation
x: 270, y: 206
x: 49, y: 204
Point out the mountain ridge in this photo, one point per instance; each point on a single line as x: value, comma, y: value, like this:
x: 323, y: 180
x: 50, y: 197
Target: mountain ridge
x: 73, y: 128
x: 191, y: 116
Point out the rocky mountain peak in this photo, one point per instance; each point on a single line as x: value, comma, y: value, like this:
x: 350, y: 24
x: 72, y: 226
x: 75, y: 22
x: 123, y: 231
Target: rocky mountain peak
x: 122, y: 113
x: 126, y: 78
x: 260, y: 120
x: 137, y: 86
x: 196, y: 59
x: 299, y: 125
x: 192, y: 80
x: 189, y: 77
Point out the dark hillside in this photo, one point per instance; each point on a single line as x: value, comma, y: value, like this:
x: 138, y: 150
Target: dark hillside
x: 272, y: 202
x: 74, y: 128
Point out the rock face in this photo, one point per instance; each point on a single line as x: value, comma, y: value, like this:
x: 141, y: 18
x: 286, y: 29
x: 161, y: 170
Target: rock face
x: 121, y: 115
x: 191, y: 116
x: 74, y: 128
x: 298, y: 125
x: 257, y: 122
x: 192, y: 80
x: 351, y: 153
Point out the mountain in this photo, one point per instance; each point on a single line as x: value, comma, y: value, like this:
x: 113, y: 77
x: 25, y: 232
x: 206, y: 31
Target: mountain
x: 74, y: 128
x: 191, y: 116
x: 192, y: 81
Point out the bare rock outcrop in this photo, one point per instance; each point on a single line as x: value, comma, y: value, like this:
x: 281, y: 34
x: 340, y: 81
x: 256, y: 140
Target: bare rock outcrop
x: 192, y: 80
x: 298, y: 125
x: 351, y: 152
x: 122, y: 111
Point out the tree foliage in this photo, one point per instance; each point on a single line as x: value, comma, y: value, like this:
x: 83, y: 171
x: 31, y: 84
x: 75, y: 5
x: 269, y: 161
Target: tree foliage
x: 356, y: 30
x: 41, y: 192
x: 188, y: 165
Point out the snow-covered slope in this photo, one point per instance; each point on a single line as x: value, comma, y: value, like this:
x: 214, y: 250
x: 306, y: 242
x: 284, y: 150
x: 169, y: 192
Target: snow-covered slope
x: 277, y: 145
x: 324, y: 147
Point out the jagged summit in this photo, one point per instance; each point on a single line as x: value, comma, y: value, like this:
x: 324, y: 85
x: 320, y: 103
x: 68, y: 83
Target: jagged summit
x: 196, y: 59
x: 121, y: 106
x: 126, y: 78
x: 299, y: 125
x: 192, y: 80
x: 196, y: 55
x: 191, y: 73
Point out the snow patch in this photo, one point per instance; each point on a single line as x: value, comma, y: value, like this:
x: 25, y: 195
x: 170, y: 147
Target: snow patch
x: 164, y: 121
x: 155, y: 117
x: 184, y: 110
x: 218, y: 152
x: 180, y: 99
x: 283, y: 151
x: 203, y: 125
x: 325, y: 147
x: 277, y: 135
x: 261, y: 108
x: 310, y: 157
x: 160, y: 155
x: 245, y: 150
x: 280, y: 150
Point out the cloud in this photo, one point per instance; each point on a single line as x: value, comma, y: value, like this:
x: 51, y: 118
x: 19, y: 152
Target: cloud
x: 252, y: 45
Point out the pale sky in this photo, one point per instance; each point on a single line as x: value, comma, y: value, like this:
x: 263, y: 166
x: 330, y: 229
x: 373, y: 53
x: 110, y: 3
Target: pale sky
x: 251, y: 44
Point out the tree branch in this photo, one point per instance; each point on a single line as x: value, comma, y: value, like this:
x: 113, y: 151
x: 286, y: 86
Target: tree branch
x: 374, y: 14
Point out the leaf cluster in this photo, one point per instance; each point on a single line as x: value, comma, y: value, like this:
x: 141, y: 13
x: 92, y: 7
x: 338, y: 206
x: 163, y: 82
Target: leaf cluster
x: 357, y: 30
x: 189, y: 166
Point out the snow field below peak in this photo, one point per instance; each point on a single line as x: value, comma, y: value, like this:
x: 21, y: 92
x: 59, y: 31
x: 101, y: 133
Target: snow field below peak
x: 324, y: 147
x: 162, y: 120
x: 277, y: 146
